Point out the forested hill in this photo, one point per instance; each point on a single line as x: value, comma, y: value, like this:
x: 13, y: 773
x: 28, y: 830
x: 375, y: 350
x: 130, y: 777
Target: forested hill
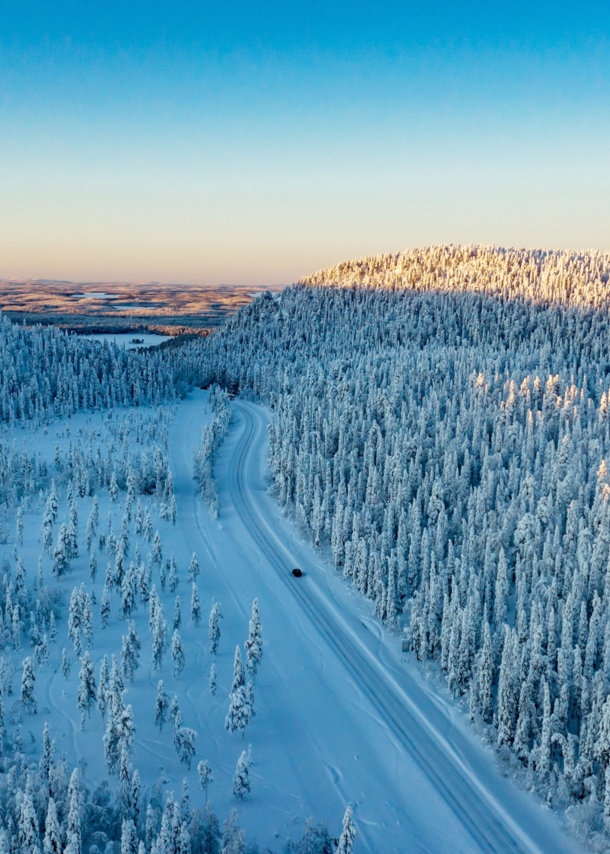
x: 451, y: 450
x: 578, y: 279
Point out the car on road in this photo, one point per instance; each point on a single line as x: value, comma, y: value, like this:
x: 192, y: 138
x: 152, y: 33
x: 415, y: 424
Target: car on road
x: 297, y: 572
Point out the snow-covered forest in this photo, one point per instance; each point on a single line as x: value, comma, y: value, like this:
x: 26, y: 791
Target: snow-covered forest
x: 442, y: 426
x: 439, y: 432
x: 112, y: 644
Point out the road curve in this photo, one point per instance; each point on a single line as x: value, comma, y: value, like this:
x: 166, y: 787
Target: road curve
x: 492, y: 826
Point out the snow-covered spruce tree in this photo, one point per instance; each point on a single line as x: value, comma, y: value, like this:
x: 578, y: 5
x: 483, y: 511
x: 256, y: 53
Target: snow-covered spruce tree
x: 113, y: 489
x: 177, y: 614
x: 61, y: 558
x: 187, y: 738
x: 254, y: 645
x: 172, y: 579
x: 159, y: 638
x: 75, y: 618
x: 241, y: 778
x: 105, y: 607
x: 92, y: 523
x: 46, y: 761
x: 86, y: 616
x: 130, y: 652
x: 65, y: 664
x: 129, y: 839
x: 193, y: 573
x: 195, y: 605
x: 19, y: 526
x: 72, y: 532
x: 211, y: 437
x: 104, y: 687
x: 157, y: 551
x: 28, y: 824
x: 161, y: 705
x: 92, y: 566
x: 177, y: 654
x: 348, y: 834
x: 213, y: 681
x: 75, y: 814
x: 51, y: 843
x: 204, y: 770
x: 87, y: 688
x: 28, y: 680
x: 240, y: 708
x: 239, y: 675
x: 214, y: 627
x: 129, y: 592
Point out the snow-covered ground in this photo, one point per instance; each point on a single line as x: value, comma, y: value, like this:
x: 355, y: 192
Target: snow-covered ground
x: 340, y: 717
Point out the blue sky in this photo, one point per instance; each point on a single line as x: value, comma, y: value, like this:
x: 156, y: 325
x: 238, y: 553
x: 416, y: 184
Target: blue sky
x: 255, y: 142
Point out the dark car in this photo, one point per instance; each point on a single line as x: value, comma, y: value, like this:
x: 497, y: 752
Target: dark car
x: 297, y: 573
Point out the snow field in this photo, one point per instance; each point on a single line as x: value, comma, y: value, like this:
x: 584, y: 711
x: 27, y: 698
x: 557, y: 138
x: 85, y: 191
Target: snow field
x: 319, y: 738
x: 56, y: 697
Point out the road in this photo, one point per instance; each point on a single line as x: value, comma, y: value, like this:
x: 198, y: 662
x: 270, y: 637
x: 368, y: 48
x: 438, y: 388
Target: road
x: 341, y: 718
x: 488, y: 822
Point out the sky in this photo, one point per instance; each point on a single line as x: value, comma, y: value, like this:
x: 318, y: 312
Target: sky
x: 255, y: 142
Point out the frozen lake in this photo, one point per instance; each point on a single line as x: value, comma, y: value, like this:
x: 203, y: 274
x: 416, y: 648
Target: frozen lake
x: 130, y: 340
x: 95, y: 295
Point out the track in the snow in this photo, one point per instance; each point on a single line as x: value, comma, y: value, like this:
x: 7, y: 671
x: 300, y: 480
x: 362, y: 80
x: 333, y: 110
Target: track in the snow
x: 491, y: 829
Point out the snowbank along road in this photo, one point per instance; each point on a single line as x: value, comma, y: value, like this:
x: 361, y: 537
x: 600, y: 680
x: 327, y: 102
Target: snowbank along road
x: 339, y: 717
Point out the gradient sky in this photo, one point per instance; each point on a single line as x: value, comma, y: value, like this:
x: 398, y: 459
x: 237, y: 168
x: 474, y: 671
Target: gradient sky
x: 254, y: 142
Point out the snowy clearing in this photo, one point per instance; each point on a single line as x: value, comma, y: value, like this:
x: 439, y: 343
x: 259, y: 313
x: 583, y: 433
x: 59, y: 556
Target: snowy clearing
x: 340, y: 718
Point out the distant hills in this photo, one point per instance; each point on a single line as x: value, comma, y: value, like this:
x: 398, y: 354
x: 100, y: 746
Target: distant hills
x: 122, y: 306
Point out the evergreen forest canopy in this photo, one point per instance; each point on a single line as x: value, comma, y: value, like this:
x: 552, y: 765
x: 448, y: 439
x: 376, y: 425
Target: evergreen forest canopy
x: 442, y: 424
x: 574, y: 279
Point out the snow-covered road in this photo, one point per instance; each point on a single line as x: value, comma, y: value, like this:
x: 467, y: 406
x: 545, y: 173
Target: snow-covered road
x: 340, y: 718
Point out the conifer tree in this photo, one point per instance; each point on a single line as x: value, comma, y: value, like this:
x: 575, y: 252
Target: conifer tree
x: 52, y: 833
x: 193, y: 572
x: 104, y: 687
x: 195, y: 605
x: 177, y: 654
x: 157, y: 551
x: 253, y: 645
x: 161, y: 705
x: 241, y: 778
x: 348, y: 833
x: 113, y: 490
x: 105, y: 607
x: 204, y: 771
x: 130, y: 652
x: 61, y: 560
x: 173, y: 574
x: 28, y: 824
x: 92, y: 567
x: 73, y: 829
x: 65, y: 664
x: 159, y: 639
x: 214, y: 627
x: 187, y: 739
x: 177, y: 614
x: 87, y: 689
x: 129, y: 840
x: 19, y: 526
x: 28, y: 680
